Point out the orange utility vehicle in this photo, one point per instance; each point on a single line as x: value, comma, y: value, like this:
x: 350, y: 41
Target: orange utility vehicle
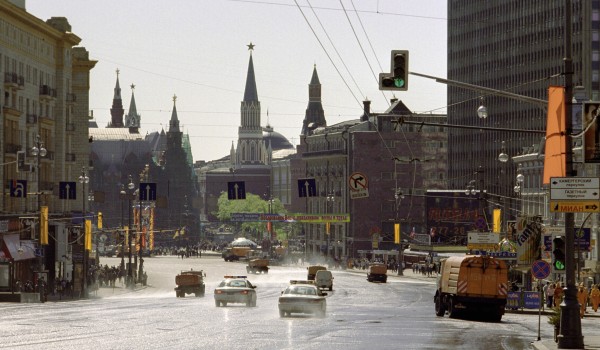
x: 377, y: 272
x: 236, y: 253
x: 189, y: 282
x: 258, y: 266
x: 474, y: 284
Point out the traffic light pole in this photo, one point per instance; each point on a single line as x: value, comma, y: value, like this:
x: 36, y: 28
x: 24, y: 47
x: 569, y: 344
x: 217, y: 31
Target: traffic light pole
x: 570, y: 336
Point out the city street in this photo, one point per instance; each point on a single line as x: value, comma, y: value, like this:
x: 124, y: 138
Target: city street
x: 360, y: 315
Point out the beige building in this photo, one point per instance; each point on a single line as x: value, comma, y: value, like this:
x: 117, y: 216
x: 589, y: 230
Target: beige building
x: 45, y: 97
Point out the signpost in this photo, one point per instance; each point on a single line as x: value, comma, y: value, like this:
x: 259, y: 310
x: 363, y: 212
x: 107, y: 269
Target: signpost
x: 359, y: 186
x: 540, y: 269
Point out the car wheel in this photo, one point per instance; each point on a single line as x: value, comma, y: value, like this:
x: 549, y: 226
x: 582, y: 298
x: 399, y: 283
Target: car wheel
x: 439, y: 306
x: 330, y: 288
x: 452, y: 312
x: 281, y: 313
x: 217, y: 303
x: 224, y: 303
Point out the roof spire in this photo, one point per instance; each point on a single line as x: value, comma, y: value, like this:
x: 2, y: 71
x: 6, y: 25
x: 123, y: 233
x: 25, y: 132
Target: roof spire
x: 250, y: 93
x: 174, y: 122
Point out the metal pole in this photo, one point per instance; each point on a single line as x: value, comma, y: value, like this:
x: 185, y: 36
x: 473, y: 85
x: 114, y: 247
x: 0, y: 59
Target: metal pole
x: 122, y: 193
x: 570, y: 336
x: 129, y: 271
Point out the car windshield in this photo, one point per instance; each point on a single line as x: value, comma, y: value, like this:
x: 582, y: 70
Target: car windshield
x: 236, y: 283
x: 301, y: 290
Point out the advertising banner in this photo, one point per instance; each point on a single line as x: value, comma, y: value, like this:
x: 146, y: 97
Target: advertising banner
x: 528, y: 239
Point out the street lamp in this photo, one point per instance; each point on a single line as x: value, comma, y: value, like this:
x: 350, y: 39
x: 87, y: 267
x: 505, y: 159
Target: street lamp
x: 84, y: 179
x: 503, y: 158
x: 38, y: 151
x: 398, y: 195
x: 130, y: 186
x: 330, y: 198
x: 482, y: 111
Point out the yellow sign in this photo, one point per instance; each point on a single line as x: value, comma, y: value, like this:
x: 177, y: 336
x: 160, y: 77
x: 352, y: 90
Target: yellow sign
x: 575, y: 207
x: 482, y: 246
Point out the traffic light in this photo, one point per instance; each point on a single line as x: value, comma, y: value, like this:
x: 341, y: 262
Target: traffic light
x: 558, y: 253
x: 99, y: 220
x: 20, y: 160
x: 397, y: 79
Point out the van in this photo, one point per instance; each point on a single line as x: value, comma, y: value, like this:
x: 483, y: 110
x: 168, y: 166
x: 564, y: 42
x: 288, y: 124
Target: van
x: 324, y: 279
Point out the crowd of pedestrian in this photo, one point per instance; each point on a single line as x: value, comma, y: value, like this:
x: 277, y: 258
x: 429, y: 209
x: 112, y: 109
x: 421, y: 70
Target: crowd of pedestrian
x: 554, y: 295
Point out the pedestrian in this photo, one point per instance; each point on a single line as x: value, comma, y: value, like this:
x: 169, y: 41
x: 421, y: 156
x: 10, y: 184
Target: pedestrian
x: 595, y: 297
x: 549, y: 294
x: 582, y: 297
x: 558, y: 294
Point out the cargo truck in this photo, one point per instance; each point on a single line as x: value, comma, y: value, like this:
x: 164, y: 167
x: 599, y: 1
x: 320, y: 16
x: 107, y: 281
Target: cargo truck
x: 235, y: 253
x: 477, y: 285
x: 189, y: 282
x: 258, y: 266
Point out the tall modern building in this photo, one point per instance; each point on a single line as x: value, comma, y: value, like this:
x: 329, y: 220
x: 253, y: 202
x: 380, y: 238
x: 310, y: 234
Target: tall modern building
x: 518, y: 47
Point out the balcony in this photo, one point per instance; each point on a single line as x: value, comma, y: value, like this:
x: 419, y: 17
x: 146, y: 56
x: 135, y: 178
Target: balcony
x: 32, y: 118
x: 71, y: 98
x: 13, y: 80
x: 47, y: 93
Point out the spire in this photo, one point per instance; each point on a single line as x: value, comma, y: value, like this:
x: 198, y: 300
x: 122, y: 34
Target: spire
x: 117, y: 111
x: 250, y: 94
x: 132, y: 119
x: 174, y: 122
x: 315, y: 116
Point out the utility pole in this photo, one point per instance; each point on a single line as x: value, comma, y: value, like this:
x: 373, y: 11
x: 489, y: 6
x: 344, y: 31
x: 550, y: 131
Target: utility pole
x: 570, y: 336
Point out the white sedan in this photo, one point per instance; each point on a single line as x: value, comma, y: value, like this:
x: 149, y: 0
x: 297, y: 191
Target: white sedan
x: 302, y: 297
x: 235, y: 289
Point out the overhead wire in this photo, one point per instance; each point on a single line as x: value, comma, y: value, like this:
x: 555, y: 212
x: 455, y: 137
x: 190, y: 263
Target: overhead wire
x: 327, y: 53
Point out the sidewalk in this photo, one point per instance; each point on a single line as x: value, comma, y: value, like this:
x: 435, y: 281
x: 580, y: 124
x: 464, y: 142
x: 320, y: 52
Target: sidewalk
x: 591, y: 342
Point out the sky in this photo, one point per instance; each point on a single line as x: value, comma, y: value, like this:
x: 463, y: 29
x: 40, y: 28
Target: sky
x: 197, y: 50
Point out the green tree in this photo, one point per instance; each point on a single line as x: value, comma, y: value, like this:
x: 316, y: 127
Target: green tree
x: 252, y: 204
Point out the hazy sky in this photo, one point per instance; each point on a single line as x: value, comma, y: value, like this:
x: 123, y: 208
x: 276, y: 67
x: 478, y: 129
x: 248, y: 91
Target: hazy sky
x: 196, y: 49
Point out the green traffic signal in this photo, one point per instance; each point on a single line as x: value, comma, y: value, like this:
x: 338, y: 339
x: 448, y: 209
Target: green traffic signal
x: 559, y: 265
x: 399, y: 83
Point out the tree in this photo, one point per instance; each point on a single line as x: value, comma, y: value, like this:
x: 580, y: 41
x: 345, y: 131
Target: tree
x: 252, y: 204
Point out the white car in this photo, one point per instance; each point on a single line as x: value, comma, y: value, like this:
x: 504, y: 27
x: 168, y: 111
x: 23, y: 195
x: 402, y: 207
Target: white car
x: 235, y: 289
x: 302, y: 297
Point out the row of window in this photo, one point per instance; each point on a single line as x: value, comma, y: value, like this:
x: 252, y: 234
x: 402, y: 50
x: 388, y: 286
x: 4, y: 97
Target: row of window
x: 26, y: 41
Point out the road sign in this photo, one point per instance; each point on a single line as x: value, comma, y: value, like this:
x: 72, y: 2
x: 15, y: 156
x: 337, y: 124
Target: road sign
x: 540, y: 269
x: 18, y: 188
x: 307, y: 188
x: 483, y: 237
x: 67, y: 190
x: 575, y: 207
x: 147, y: 191
x: 359, y: 186
x: 575, y: 188
x: 236, y: 190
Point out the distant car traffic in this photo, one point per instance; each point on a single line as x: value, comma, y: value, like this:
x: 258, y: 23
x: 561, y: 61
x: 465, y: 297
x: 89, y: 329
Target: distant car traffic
x: 302, y: 297
x: 235, y: 289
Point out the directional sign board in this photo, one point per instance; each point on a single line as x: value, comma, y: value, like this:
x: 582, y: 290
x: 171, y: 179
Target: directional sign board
x: 582, y: 206
x: 67, y: 190
x: 307, y: 188
x: 482, y: 240
x: 575, y: 188
x: 18, y: 188
x: 147, y: 191
x: 359, y: 186
x: 236, y: 190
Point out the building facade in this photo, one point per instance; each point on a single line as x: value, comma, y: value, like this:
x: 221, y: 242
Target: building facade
x: 45, y: 105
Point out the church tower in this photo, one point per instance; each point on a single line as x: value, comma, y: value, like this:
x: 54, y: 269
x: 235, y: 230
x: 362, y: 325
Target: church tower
x: 314, y: 112
x: 117, y: 111
x: 174, y: 134
x: 133, y: 119
x: 251, y: 148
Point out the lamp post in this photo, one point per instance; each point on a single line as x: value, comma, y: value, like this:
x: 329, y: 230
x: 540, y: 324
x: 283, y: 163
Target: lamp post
x: 83, y: 180
x: 398, y: 195
x: 122, y: 195
x: 143, y: 177
x: 130, y: 186
x: 330, y: 198
x: 38, y: 151
x: 503, y: 158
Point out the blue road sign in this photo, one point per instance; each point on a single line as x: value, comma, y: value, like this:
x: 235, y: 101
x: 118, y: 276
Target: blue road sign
x: 236, y: 190
x: 540, y: 269
x: 307, y: 188
x: 147, y: 191
x: 67, y: 190
x: 18, y: 188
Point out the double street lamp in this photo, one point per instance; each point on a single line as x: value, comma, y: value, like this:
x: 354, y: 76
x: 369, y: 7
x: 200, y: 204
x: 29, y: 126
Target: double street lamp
x: 127, y: 193
x: 38, y: 151
x: 83, y: 180
x: 330, y: 199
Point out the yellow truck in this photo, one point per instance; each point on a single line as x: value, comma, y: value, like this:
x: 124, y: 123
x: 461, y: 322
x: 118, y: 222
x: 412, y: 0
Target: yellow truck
x: 258, y: 266
x: 189, y: 282
x: 235, y: 253
x: 472, y: 284
x: 377, y: 272
x: 312, y: 271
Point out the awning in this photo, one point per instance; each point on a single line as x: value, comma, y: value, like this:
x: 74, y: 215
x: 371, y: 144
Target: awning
x: 16, y: 249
